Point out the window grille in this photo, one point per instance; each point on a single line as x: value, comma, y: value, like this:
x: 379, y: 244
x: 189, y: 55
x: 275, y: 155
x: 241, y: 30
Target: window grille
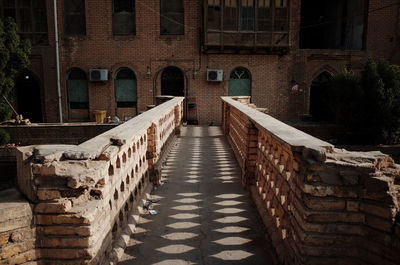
x: 74, y: 17
x: 124, y: 20
x: 30, y: 16
x: 171, y: 17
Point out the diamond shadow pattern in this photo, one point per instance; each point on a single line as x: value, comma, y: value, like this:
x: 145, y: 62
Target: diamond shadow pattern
x: 204, y: 215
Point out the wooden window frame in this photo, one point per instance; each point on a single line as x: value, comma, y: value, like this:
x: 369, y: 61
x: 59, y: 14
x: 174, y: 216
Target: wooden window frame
x: 272, y: 38
x: 182, y: 23
x: 36, y: 37
x: 65, y: 15
x: 133, y: 13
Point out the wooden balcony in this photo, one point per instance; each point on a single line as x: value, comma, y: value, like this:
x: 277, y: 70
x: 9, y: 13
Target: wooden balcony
x: 262, y: 42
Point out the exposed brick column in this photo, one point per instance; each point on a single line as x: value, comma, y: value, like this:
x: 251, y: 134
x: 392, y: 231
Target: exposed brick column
x: 177, y: 112
x: 151, y: 154
x: 248, y: 177
x: 225, y: 117
x: 319, y: 204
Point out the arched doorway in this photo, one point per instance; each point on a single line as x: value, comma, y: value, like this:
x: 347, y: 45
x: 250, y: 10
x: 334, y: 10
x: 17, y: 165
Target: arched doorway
x: 172, y: 82
x: 319, y: 107
x: 239, y: 82
x: 28, y: 97
x: 125, y: 87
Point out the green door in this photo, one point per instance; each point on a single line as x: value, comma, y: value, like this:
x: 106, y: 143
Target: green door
x: 125, y: 88
x: 125, y: 91
x: 77, y: 89
x: 239, y: 82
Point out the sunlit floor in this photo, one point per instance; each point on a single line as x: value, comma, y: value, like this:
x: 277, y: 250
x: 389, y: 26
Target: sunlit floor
x: 204, y: 215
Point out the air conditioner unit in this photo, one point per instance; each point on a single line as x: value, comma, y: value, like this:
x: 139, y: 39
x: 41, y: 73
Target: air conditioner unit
x: 98, y: 75
x: 215, y: 75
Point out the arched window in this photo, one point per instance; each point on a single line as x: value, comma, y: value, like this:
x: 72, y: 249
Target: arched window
x: 319, y: 107
x: 239, y: 82
x: 77, y: 89
x: 125, y: 88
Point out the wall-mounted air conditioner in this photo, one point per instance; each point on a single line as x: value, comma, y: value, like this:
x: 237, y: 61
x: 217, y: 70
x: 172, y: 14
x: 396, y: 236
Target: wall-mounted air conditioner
x: 96, y: 75
x: 214, y: 75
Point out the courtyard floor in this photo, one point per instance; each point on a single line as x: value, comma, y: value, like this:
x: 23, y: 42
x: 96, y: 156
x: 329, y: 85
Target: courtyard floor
x: 204, y: 216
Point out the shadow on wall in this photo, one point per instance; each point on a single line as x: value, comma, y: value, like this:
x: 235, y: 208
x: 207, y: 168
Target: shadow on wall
x: 8, y: 168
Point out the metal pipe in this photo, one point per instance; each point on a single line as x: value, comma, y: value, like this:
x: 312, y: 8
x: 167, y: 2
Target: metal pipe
x: 9, y: 104
x: 57, y: 60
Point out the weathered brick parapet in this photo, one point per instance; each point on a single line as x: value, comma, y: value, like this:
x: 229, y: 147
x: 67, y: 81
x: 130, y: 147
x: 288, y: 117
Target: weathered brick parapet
x: 82, y: 194
x: 320, y: 205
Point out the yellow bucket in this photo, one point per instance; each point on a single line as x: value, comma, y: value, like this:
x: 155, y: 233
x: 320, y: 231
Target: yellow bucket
x: 99, y: 115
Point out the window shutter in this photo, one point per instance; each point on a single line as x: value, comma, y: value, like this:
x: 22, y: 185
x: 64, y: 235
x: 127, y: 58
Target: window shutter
x: 77, y: 91
x: 126, y: 90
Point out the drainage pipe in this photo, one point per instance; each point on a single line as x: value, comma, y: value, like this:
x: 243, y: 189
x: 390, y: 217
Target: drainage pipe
x: 57, y: 61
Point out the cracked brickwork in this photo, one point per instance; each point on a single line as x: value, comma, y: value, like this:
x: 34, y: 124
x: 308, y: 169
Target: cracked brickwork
x: 82, y: 195
x: 321, y: 205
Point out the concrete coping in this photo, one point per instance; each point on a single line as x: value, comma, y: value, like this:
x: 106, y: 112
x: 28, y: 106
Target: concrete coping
x: 295, y: 138
x: 66, y: 124
x: 241, y: 97
x: 129, y: 129
x: 119, y: 135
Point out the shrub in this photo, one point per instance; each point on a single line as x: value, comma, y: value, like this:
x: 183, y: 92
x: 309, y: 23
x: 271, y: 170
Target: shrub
x: 345, y: 98
x: 4, y: 137
x: 381, y: 85
x: 368, y: 106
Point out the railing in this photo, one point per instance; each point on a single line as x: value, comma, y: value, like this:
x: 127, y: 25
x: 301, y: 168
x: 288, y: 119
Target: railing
x: 82, y: 194
x: 320, y: 205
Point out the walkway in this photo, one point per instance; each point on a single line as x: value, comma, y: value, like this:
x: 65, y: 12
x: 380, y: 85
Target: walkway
x: 204, y: 216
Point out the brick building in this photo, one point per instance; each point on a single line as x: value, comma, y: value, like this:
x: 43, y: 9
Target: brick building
x: 150, y: 48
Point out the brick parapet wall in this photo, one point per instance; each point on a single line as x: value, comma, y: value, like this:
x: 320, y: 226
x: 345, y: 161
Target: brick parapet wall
x: 321, y: 205
x: 82, y: 194
x: 45, y: 133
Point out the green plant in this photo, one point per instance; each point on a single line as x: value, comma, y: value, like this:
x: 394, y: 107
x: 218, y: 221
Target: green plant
x: 345, y: 98
x: 369, y: 106
x: 380, y: 82
x: 14, y: 56
x: 4, y: 137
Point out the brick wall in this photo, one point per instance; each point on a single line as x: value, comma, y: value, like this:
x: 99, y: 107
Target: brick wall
x: 17, y: 232
x: 272, y: 75
x: 82, y: 195
x: 55, y: 133
x: 320, y: 205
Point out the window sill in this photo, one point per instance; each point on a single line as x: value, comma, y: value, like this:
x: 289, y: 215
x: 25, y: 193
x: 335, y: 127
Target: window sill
x: 172, y: 37
x: 334, y: 54
x: 74, y: 37
x: 40, y: 45
x: 124, y: 37
x: 321, y: 50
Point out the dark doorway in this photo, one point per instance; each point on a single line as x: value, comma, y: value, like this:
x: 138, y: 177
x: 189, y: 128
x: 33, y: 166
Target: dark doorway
x: 28, y: 97
x: 172, y: 82
x: 319, y: 107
